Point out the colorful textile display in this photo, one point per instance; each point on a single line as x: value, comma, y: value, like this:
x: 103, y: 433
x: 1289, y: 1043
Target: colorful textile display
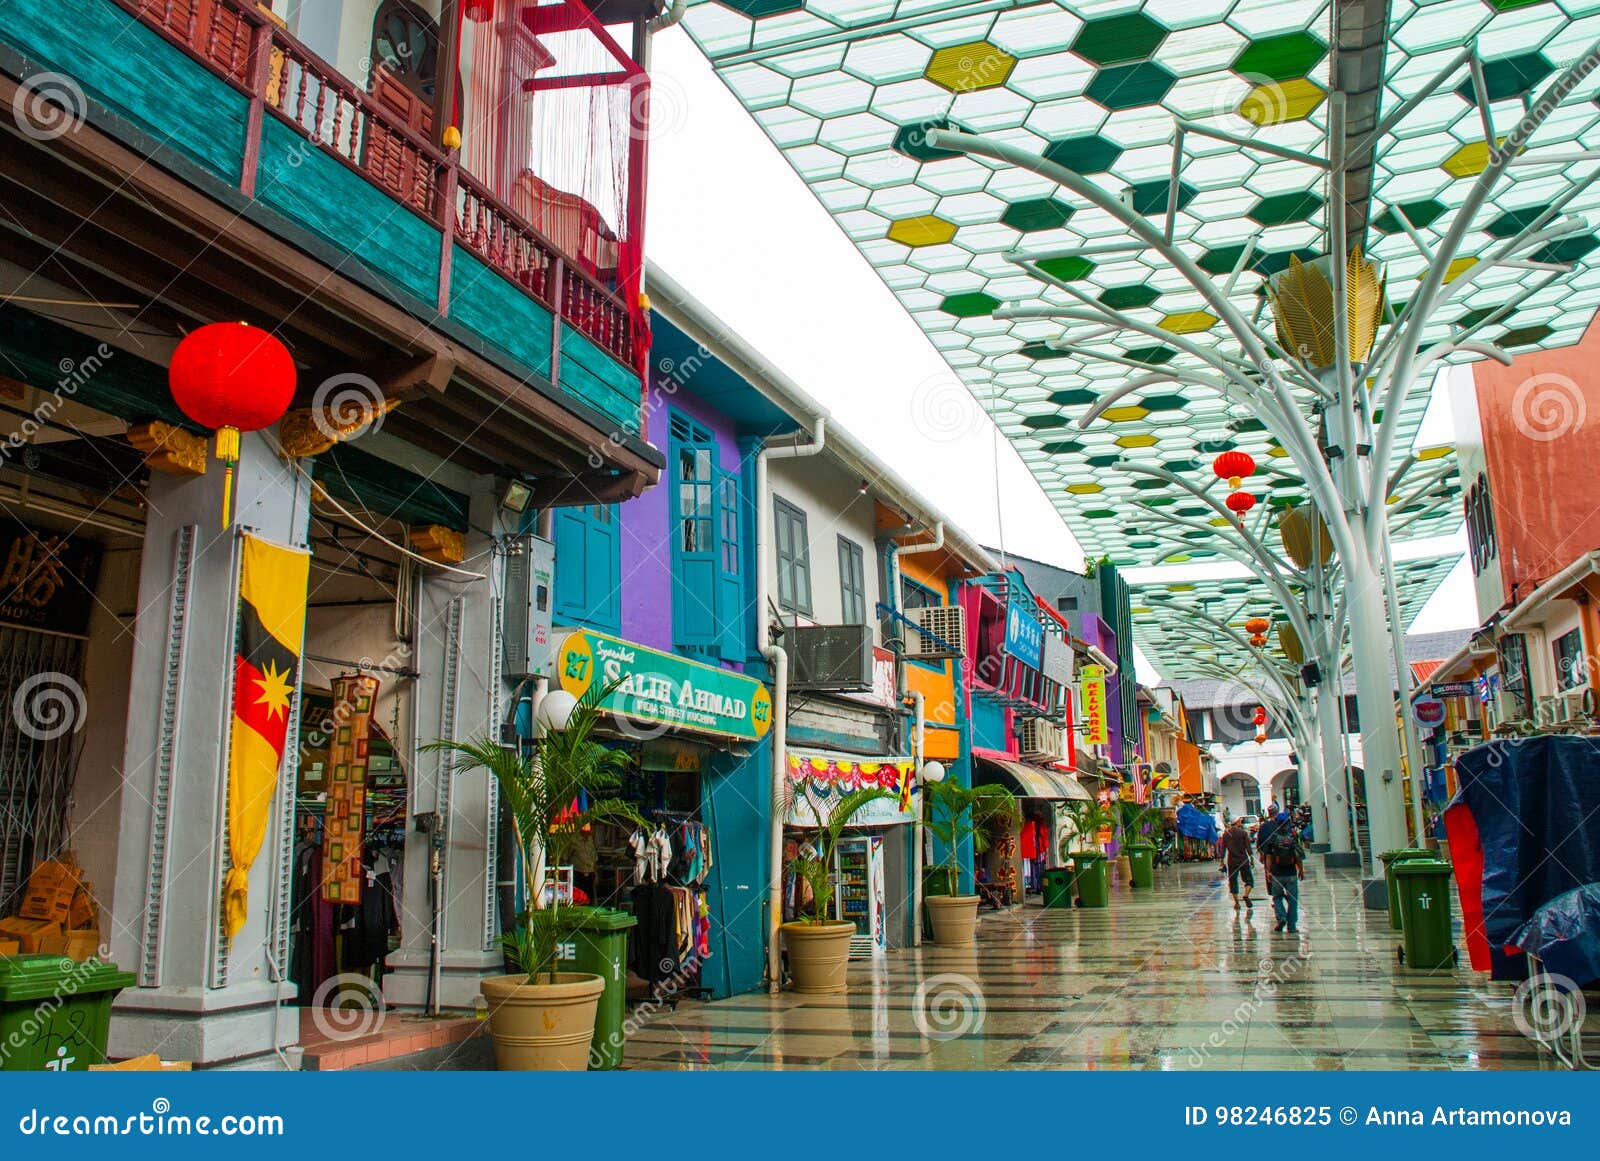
x: 345, y: 811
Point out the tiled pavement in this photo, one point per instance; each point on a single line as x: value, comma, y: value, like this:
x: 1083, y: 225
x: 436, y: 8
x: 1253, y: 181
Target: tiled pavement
x: 1169, y: 979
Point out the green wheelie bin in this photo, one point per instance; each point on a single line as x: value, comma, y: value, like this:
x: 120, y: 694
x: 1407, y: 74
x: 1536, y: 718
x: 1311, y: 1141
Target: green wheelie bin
x: 1058, y: 888
x: 1142, y: 864
x: 55, y: 1013
x: 600, y: 947
x: 1425, y: 913
x: 1094, y: 890
x: 1389, y: 860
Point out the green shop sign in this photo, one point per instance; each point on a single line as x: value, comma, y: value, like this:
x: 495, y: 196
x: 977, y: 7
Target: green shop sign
x: 661, y: 688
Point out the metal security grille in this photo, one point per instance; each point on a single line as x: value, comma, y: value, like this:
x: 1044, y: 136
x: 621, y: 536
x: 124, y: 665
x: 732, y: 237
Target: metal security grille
x: 41, y: 709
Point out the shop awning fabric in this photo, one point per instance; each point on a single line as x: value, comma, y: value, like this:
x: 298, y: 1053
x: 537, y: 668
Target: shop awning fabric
x: 1035, y: 781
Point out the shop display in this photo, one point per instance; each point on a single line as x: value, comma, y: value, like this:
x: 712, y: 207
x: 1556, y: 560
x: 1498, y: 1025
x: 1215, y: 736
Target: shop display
x: 345, y: 805
x: 860, y: 893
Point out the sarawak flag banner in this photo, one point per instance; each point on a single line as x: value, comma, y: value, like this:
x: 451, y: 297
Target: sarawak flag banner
x: 272, y: 623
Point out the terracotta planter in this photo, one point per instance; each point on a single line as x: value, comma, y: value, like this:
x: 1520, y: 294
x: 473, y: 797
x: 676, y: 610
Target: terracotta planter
x: 818, y: 955
x: 955, y: 919
x: 1124, y: 869
x: 544, y: 1027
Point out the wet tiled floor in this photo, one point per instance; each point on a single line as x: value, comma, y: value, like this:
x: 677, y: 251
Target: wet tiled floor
x: 1170, y: 979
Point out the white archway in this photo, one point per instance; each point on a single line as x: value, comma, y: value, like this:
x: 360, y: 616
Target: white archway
x: 1239, y: 793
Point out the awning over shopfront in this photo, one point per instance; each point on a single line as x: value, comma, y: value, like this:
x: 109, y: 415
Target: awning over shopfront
x: 1035, y: 781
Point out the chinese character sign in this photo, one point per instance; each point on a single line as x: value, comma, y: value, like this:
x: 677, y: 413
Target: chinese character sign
x: 1096, y: 726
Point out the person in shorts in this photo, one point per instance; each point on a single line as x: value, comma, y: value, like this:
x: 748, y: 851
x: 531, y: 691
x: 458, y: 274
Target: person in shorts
x: 1237, y: 857
x: 1281, y: 861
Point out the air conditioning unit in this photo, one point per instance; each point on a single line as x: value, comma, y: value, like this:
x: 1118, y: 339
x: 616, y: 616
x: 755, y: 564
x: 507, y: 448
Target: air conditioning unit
x: 830, y: 657
x: 943, y: 636
x: 1041, y: 739
x: 527, y: 648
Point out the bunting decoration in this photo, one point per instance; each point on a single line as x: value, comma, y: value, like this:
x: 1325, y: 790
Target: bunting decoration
x: 266, y: 672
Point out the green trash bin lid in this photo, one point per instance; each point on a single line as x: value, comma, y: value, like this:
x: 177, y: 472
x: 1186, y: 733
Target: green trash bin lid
x: 1412, y: 867
x: 1388, y: 857
x: 1088, y: 856
x: 602, y: 919
x: 24, y: 978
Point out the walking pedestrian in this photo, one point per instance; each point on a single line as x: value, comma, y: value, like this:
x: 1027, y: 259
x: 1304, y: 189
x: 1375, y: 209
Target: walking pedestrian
x: 1237, y: 857
x: 1284, y: 868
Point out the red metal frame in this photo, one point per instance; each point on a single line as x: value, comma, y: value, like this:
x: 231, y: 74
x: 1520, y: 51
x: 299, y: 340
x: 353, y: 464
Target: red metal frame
x: 247, y: 50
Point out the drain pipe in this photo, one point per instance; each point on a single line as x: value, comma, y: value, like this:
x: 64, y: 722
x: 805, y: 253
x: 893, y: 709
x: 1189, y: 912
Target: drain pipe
x: 896, y: 551
x: 778, y: 657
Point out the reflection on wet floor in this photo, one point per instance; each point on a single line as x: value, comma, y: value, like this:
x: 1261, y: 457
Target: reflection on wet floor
x: 1170, y: 979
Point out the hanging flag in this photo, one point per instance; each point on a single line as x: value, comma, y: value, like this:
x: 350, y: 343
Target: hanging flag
x: 266, y: 669
x: 344, y: 810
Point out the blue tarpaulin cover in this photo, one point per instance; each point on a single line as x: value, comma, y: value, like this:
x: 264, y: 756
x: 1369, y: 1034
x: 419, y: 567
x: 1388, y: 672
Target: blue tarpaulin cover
x: 1536, y: 805
x: 1196, y: 824
x: 1565, y: 935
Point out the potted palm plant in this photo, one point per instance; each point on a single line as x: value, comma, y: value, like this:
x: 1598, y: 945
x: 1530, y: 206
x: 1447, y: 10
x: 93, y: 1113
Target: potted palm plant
x: 542, y: 1018
x: 956, y: 813
x: 1088, y: 859
x: 818, y: 943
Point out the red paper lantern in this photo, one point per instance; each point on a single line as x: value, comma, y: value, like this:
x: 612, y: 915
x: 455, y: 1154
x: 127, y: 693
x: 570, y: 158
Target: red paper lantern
x: 478, y: 11
x: 232, y: 375
x: 1257, y: 625
x: 1259, y: 718
x: 1233, y: 466
x: 1261, y: 739
x: 1240, y: 502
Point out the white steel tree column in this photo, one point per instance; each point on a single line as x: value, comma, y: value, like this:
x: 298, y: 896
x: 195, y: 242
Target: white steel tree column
x: 1337, y: 347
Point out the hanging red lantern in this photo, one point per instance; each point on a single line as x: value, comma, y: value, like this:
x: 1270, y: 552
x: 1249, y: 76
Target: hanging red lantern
x: 1261, y: 739
x: 231, y: 377
x: 478, y: 11
x: 1258, y: 639
x: 1259, y: 718
x: 1257, y: 625
x: 1240, y: 502
x: 1233, y: 466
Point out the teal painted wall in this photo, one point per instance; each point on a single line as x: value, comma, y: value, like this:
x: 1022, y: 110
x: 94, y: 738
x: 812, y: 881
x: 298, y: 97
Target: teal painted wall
x: 599, y: 380
x: 130, y: 69
x: 486, y: 304
x: 738, y: 809
x: 316, y: 191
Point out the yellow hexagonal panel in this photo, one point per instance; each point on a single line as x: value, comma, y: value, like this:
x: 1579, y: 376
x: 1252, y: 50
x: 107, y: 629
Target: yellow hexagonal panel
x: 1274, y: 104
x: 1127, y: 414
x: 1276, y: 452
x: 1457, y: 268
x: 1180, y: 588
x: 1470, y: 160
x: 1084, y: 489
x: 967, y: 68
x: 1188, y: 322
x: 1437, y: 452
x: 1219, y: 522
x: 1136, y: 441
x: 922, y: 230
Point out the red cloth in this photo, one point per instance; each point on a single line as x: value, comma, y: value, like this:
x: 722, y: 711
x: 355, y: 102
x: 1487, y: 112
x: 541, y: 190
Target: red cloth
x: 1466, y: 853
x: 1030, y: 842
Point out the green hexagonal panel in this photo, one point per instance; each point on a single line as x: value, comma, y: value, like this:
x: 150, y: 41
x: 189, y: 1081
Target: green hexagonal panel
x: 1151, y: 356
x: 1102, y: 461
x: 1169, y: 402
x: 1089, y: 154
x: 1062, y: 447
x: 1129, y: 297
x: 1508, y: 77
x: 1131, y: 86
x: 1153, y: 197
x: 1037, y: 214
x: 1421, y: 214
x: 1069, y: 269
x: 1566, y: 249
x: 1285, y: 57
x: 760, y: 9
x: 973, y: 304
x: 1526, y: 336
x: 912, y: 140
x: 1041, y: 351
x: 1281, y: 209
x: 1513, y: 222
x: 1072, y: 397
x: 1115, y: 40
x: 1045, y: 422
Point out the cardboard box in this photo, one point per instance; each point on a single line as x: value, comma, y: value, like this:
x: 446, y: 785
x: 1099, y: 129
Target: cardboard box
x: 9, y: 947
x: 28, y: 932
x: 75, y: 945
x: 49, y: 892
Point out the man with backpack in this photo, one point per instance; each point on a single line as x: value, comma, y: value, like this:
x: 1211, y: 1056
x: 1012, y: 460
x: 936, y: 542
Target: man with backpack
x: 1236, y: 860
x: 1280, y: 860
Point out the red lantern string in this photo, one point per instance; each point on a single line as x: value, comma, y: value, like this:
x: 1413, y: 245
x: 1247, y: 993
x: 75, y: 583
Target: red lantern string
x: 1233, y: 466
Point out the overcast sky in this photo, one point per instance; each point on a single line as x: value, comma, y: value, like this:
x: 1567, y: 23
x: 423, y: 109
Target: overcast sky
x: 738, y: 228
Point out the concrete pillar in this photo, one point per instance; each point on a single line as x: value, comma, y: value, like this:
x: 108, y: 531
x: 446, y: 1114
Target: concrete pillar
x: 200, y: 997
x: 460, y: 695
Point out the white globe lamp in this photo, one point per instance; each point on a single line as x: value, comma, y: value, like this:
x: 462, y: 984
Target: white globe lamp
x: 555, y: 710
x: 932, y: 772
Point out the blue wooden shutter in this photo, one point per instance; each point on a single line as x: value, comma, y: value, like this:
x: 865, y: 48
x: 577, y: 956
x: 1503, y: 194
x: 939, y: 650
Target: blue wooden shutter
x: 730, y: 574
x: 694, y: 538
x: 588, y: 567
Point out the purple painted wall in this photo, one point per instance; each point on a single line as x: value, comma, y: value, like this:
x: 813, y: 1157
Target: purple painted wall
x: 646, y: 521
x: 1097, y: 633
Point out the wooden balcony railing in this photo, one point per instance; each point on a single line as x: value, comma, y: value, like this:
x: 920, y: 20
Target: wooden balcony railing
x: 246, y: 48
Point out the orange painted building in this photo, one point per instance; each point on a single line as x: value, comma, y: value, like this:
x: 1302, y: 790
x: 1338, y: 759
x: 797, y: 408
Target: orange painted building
x: 934, y: 572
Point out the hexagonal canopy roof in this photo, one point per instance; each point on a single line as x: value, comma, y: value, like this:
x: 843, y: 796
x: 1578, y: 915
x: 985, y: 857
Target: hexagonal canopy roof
x: 848, y: 89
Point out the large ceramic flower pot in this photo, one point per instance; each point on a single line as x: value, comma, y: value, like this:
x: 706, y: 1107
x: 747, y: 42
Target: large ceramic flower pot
x: 543, y: 1027
x: 955, y: 918
x: 1124, y: 870
x: 818, y: 955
